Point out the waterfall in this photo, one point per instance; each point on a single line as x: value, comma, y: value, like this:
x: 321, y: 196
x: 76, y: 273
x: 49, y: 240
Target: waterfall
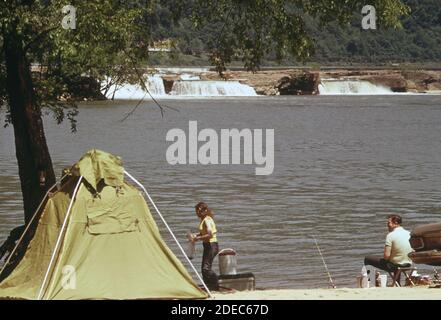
x: 362, y: 87
x: 195, y: 88
x: 189, y: 77
x: 154, y: 84
x: 190, y: 85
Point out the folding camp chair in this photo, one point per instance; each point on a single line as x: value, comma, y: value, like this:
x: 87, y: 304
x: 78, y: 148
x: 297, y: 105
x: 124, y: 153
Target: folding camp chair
x: 407, y: 271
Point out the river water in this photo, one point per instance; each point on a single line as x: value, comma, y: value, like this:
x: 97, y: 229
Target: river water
x: 342, y: 164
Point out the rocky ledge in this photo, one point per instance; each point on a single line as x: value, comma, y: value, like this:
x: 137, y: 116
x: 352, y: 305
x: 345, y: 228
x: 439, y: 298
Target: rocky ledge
x: 305, y: 82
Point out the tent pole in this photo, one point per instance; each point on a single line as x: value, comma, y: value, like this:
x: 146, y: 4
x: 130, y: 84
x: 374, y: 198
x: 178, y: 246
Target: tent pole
x: 28, y: 225
x: 59, y: 238
x: 169, y: 230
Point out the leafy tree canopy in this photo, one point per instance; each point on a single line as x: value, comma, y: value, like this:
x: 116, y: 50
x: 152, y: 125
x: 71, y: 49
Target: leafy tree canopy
x: 111, y: 38
x: 338, y: 41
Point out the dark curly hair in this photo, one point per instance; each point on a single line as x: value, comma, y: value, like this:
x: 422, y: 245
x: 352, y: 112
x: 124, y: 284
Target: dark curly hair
x: 202, y: 205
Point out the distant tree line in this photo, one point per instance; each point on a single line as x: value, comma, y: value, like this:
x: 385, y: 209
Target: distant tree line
x: 419, y: 39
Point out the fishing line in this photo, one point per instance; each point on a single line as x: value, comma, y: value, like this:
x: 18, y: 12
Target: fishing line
x: 324, y: 263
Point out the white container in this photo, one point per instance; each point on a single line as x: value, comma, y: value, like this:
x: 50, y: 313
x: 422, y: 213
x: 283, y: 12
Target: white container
x: 371, y: 274
x: 365, y: 282
x: 362, y: 282
x: 359, y: 280
x: 383, y: 280
x: 363, y: 279
x: 227, y: 262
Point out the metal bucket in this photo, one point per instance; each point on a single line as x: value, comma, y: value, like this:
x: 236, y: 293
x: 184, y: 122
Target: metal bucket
x: 227, y: 262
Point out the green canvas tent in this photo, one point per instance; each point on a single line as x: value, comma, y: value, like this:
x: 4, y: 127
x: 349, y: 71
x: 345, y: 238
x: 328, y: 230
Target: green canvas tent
x: 96, y: 239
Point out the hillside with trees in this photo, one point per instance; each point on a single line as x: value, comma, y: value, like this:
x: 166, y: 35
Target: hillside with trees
x: 418, y: 41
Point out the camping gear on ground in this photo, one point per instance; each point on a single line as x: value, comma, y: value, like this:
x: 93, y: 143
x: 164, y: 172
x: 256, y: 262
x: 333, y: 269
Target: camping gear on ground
x: 418, y: 280
x: 227, y: 262
x: 436, y: 280
x: 229, y: 278
x: 95, y: 239
x: 383, y: 280
x: 436, y: 275
x: 362, y: 279
x: 426, y: 237
x: 359, y: 281
x: 380, y: 280
x: 371, y: 273
x: 239, y: 282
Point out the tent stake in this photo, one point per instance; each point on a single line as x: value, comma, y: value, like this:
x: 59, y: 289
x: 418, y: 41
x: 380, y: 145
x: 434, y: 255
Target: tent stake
x: 169, y: 230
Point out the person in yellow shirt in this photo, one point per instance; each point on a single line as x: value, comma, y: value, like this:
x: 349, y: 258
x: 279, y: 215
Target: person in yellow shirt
x: 208, y: 235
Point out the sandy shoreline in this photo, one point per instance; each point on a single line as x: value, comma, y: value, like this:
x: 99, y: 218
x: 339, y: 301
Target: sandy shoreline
x: 404, y: 293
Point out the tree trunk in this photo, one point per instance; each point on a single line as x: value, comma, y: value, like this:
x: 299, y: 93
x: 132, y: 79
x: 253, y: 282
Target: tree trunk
x: 34, y: 161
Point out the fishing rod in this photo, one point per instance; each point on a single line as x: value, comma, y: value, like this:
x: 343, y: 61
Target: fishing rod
x: 324, y: 263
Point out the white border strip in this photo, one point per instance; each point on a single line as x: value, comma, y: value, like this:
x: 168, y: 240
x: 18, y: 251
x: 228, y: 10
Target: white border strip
x: 169, y: 230
x: 59, y: 238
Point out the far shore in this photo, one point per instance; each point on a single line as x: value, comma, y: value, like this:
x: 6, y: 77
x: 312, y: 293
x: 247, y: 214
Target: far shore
x: 403, y: 293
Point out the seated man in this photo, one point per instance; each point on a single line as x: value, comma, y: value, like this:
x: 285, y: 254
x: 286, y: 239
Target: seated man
x: 396, y: 248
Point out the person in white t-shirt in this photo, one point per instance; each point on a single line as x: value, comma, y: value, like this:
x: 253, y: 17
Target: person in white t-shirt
x: 396, y: 248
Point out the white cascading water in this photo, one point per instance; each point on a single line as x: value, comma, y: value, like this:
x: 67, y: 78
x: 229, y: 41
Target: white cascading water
x: 189, y: 86
x: 154, y: 84
x: 196, y: 88
x: 362, y: 87
x: 189, y: 77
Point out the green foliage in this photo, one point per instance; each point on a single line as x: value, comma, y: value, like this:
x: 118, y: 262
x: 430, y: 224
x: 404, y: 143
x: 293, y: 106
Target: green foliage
x: 418, y: 40
x: 255, y: 29
x: 109, y: 40
x: 333, y: 27
x: 112, y: 37
x: 251, y: 29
